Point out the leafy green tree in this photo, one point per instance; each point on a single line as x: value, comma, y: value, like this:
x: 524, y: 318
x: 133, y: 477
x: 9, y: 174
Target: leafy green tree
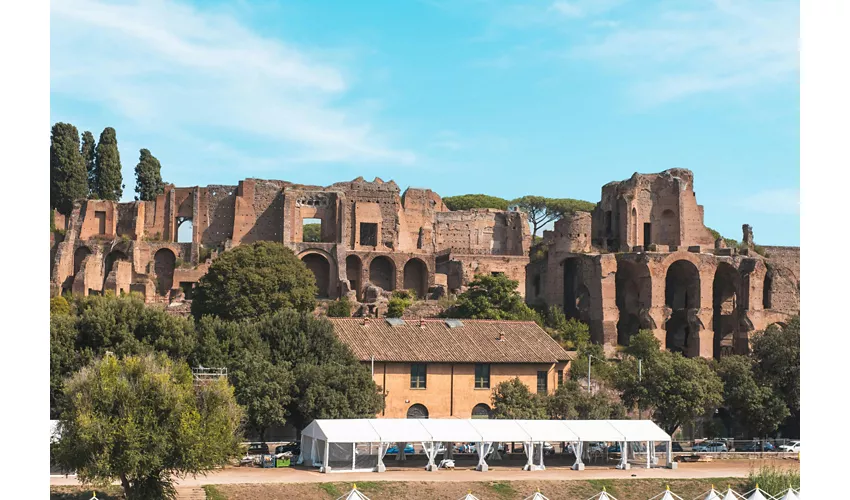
x: 399, y: 302
x: 67, y: 168
x: 252, y: 280
x: 264, y: 390
x: 107, y: 167
x: 141, y: 421
x: 148, y: 177
x: 570, y: 333
x: 777, y: 355
x: 492, y: 297
x: 340, y: 308
x: 753, y: 405
x: 643, y: 345
x: 59, y: 305
x: 470, y: 201
x: 513, y: 400
x: 602, y: 371
x: 571, y: 401
x: 87, y: 150
x: 677, y: 389
x: 542, y: 210
x: 312, y: 232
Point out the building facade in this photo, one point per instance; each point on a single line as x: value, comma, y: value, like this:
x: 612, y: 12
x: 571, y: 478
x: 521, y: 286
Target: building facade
x: 437, y: 368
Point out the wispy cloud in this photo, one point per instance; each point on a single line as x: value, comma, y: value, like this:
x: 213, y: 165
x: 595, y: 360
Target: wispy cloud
x: 165, y: 64
x: 678, y: 49
x: 783, y: 201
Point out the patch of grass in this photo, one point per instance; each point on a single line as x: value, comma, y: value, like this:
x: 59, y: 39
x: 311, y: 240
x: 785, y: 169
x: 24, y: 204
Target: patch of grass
x: 598, y: 484
x: 502, y: 488
x: 330, y: 489
x: 773, y: 480
x: 80, y: 493
x: 213, y: 493
x: 371, y: 486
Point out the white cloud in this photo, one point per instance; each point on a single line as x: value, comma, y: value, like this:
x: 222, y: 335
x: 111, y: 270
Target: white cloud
x: 568, y: 9
x: 783, y: 201
x: 164, y: 64
x: 684, y: 48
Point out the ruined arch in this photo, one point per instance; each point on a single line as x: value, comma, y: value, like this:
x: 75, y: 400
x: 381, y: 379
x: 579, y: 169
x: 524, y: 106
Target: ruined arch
x: 682, y: 297
x: 576, y: 293
x: 633, y: 284
x: 634, y: 228
x: 767, y: 291
x: 725, y: 319
x: 354, y: 271
x: 319, y: 265
x: 417, y: 411
x: 164, y: 261
x: 416, y: 277
x: 110, y: 260
x: 80, y: 255
x: 382, y: 272
x: 669, y: 228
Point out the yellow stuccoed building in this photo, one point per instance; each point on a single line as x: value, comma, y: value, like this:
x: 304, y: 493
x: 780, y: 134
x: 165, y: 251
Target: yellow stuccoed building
x: 444, y: 368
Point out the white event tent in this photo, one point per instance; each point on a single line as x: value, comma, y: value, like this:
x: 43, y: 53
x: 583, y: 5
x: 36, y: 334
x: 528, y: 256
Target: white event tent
x: 361, y: 444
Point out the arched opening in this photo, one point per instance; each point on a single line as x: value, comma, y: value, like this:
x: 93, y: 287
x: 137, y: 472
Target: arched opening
x: 725, y: 305
x: 163, y: 266
x: 353, y: 269
x: 634, y: 235
x: 321, y: 269
x: 482, y: 411
x: 109, y: 263
x: 382, y: 273
x: 576, y: 294
x: 416, y: 277
x: 682, y: 296
x: 80, y: 255
x: 767, y: 291
x: 669, y: 228
x: 633, y: 285
x: 417, y: 411
x: 184, y: 230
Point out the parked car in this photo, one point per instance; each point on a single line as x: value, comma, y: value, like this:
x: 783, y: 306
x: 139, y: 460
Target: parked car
x: 408, y: 450
x: 793, y: 446
x: 294, y: 448
x: 663, y: 447
x: 466, y: 448
x: 755, y: 446
x: 548, y: 449
x: 258, y: 449
x: 710, y: 447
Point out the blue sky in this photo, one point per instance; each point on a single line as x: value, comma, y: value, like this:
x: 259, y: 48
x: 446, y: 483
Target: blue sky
x: 507, y: 98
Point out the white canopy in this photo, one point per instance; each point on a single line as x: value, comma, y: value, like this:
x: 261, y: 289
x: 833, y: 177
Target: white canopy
x: 469, y: 496
x: 712, y: 495
x: 343, y: 430
x: 354, y: 494
x: 537, y: 496
x: 639, y: 430
x: 595, y: 430
x: 548, y: 430
x: 731, y: 495
x: 499, y: 430
x: 666, y: 495
x: 452, y: 430
x: 406, y: 430
x: 758, y: 494
x: 790, y: 495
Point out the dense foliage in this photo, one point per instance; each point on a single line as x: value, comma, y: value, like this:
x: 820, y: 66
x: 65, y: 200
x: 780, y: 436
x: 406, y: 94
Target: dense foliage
x: 107, y: 167
x: 311, y: 233
x: 513, y: 400
x: 340, y: 308
x: 68, y: 178
x: 542, y: 210
x: 492, y: 297
x: 252, y: 280
x: 470, y: 201
x: 570, y: 333
x: 399, y: 302
x: 753, y: 405
x: 148, y: 177
x: 571, y: 401
x: 88, y: 151
x: 141, y: 420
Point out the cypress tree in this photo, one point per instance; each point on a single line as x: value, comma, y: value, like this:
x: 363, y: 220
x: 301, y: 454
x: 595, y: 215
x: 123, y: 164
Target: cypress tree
x: 87, y: 150
x: 148, y: 178
x: 67, y: 168
x: 107, y: 167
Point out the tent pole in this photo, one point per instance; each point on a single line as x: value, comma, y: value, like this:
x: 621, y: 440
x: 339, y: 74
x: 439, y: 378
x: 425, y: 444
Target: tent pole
x: 353, y: 456
x: 648, y: 459
x: 325, y: 458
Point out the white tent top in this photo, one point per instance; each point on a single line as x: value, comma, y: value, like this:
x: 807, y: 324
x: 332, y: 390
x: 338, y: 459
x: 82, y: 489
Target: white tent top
x: 453, y: 430
x: 757, y: 494
x: 640, y: 430
x: 343, y: 430
x: 537, y: 496
x: 731, y: 495
x: 711, y: 495
x: 594, y: 430
x: 789, y: 495
x: 666, y: 495
x: 354, y: 494
x: 548, y: 430
x: 400, y: 429
x: 469, y: 496
x: 500, y: 430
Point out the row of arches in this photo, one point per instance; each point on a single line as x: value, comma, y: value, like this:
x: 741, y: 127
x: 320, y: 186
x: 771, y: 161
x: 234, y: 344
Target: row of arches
x: 382, y: 273
x: 164, y: 264
x: 480, y: 410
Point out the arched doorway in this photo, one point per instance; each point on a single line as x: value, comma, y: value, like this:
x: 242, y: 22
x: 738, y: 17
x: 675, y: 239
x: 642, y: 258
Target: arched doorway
x: 416, y: 277
x: 576, y: 294
x: 725, y: 306
x: 767, y: 291
x: 354, y: 269
x: 634, y: 238
x: 682, y: 296
x: 321, y: 269
x: 417, y: 411
x: 482, y: 411
x: 382, y: 273
x: 163, y: 266
x: 633, y: 285
x: 80, y: 255
x: 109, y: 263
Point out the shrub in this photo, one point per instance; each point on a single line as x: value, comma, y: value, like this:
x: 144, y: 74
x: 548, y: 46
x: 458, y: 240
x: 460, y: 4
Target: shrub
x: 340, y: 308
x: 773, y: 480
x: 58, y: 305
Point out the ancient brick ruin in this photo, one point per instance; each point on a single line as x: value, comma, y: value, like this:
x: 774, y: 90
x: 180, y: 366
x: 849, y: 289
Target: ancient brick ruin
x: 370, y: 233
x: 644, y: 260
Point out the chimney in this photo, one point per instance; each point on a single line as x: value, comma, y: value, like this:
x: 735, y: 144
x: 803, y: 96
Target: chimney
x: 501, y: 336
x: 365, y: 320
x: 421, y: 322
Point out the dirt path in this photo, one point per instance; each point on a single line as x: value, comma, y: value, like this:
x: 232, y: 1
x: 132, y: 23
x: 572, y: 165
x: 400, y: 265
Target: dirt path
x: 253, y: 475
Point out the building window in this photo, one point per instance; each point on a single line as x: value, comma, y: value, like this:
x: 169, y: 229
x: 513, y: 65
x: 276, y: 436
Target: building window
x: 482, y: 376
x: 560, y: 378
x: 368, y: 234
x: 418, y: 374
x: 542, y: 383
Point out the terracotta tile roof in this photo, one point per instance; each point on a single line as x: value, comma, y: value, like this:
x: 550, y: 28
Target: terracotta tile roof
x: 477, y: 341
